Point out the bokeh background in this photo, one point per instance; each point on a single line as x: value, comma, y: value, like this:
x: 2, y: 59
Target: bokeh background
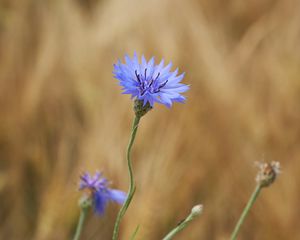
x: 62, y: 113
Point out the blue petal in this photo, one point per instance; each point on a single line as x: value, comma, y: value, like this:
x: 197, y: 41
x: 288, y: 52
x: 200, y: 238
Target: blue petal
x: 135, y: 61
x: 165, y: 100
x: 177, y: 79
x: 166, y: 69
x: 100, y: 202
x: 178, y: 88
x: 143, y: 66
x: 117, y: 196
x: 128, y: 60
x: 180, y: 99
x: 150, y: 68
x: 158, y: 68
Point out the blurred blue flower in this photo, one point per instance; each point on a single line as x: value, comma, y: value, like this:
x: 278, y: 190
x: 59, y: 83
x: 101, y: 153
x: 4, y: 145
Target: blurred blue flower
x: 148, y: 82
x: 97, y: 189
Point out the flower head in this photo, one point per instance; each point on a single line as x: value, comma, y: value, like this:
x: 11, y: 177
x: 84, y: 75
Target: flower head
x: 267, y: 173
x: 96, y: 188
x: 150, y: 83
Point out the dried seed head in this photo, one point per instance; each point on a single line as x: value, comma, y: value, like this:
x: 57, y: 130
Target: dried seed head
x: 267, y: 173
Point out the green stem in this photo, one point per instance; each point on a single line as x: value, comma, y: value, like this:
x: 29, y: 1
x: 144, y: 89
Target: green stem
x: 181, y: 226
x: 246, y: 211
x: 135, y: 233
x: 82, y: 217
x: 132, y: 183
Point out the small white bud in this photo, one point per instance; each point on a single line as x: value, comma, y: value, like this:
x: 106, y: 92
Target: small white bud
x: 197, y: 210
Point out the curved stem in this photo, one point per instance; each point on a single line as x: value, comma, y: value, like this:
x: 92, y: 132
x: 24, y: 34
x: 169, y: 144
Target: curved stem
x: 132, y: 183
x: 82, y: 217
x: 246, y: 211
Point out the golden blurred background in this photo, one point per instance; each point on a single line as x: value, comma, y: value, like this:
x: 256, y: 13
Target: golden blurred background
x: 63, y: 113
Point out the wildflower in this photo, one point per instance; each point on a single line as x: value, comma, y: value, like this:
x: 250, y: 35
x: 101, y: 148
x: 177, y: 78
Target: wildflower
x: 150, y: 83
x: 267, y: 173
x: 97, y: 190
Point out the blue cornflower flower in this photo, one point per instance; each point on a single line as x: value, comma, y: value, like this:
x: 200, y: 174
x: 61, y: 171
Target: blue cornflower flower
x: 150, y: 83
x: 97, y: 189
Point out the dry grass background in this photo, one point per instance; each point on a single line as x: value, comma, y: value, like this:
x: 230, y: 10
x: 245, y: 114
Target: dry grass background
x: 62, y: 113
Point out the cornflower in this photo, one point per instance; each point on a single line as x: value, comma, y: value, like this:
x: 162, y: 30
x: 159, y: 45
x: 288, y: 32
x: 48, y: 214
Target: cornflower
x: 150, y: 83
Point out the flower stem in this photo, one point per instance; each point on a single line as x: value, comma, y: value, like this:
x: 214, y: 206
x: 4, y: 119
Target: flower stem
x: 82, y: 217
x: 135, y: 232
x: 246, y: 211
x: 132, y: 183
x: 196, y: 211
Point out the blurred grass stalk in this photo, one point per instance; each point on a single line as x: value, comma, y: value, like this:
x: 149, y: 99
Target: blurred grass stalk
x: 246, y: 211
x: 266, y: 175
